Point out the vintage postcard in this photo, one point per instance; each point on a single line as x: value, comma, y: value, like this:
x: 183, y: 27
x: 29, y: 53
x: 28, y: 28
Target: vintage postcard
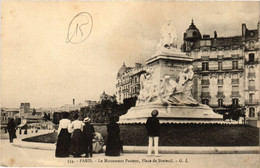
x: 130, y: 84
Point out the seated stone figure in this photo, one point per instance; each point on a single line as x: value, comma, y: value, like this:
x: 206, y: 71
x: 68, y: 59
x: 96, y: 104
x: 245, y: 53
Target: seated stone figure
x: 178, y: 92
x: 148, y: 90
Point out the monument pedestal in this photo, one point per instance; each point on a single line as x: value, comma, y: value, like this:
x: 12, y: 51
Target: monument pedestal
x: 179, y: 107
x: 184, y: 108
x: 172, y: 114
x: 167, y: 86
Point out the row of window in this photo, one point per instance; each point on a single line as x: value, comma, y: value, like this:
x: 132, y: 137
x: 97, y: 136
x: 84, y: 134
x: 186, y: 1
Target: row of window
x: 235, y: 103
x: 134, y: 90
x: 220, y: 102
x: 235, y: 80
x: 129, y: 80
x: 125, y: 96
x: 205, y: 89
x: 4, y: 118
x: 205, y: 65
x: 251, y: 57
x: 235, y: 91
x: 220, y: 82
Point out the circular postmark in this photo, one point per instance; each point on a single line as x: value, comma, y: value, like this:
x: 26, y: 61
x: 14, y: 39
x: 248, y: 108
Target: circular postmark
x: 79, y: 28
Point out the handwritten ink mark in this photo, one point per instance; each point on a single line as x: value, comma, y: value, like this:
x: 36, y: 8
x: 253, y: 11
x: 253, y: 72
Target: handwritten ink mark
x: 79, y: 28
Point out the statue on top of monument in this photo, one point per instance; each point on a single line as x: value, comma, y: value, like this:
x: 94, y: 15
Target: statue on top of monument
x: 168, y: 40
x: 168, y: 36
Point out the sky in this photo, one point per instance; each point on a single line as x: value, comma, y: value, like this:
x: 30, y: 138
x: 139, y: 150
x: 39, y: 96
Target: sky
x: 39, y: 65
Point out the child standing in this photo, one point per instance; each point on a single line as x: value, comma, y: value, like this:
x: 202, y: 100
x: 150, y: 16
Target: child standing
x: 88, y: 135
x: 153, y: 131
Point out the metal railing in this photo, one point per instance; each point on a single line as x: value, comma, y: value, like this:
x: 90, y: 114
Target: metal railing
x: 205, y: 82
x: 235, y: 81
x: 251, y: 101
x: 256, y: 61
x: 205, y: 94
x: 235, y: 93
x: 251, y: 88
x: 251, y: 74
x: 220, y: 94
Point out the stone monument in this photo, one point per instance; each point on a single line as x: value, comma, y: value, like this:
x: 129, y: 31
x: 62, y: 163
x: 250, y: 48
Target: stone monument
x: 166, y: 86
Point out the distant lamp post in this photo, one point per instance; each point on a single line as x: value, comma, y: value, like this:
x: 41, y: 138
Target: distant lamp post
x: 244, y: 113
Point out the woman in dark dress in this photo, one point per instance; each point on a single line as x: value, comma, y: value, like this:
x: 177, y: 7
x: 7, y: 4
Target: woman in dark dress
x: 64, y: 137
x: 113, y: 145
x: 11, y: 129
x: 76, y: 141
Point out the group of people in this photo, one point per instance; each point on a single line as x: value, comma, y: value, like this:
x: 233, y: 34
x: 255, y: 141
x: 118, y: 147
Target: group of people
x: 78, y: 138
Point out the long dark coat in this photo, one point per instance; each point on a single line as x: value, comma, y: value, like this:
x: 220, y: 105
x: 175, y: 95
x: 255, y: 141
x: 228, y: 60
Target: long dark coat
x: 153, y: 126
x: 11, y: 130
x: 88, y: 133
x: 87, y: 138
x: 113, y: 145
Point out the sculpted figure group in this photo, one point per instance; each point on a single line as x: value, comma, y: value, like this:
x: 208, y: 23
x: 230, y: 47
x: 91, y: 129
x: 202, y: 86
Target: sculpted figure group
x: 170, y: 92
x: 178, y: 92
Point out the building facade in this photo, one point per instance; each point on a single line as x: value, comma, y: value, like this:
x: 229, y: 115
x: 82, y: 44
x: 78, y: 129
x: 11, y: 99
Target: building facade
x: 24, y: 108
x: 4, y: 116
x: 89, y: 103
x: 105, y: 96
x: 226, y: 69
x: 8, y: 113
x: 128, y: 82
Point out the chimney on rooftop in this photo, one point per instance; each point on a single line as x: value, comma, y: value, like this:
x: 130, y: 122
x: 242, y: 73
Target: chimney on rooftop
x: 73, y: 101
x: 215, y: 34
x: 244, y: 29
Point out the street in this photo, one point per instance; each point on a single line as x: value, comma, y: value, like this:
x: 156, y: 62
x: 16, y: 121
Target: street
x: 24, y: 157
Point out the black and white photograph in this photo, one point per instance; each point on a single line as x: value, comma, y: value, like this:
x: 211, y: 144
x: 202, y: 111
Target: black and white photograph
x: 130, y: 84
